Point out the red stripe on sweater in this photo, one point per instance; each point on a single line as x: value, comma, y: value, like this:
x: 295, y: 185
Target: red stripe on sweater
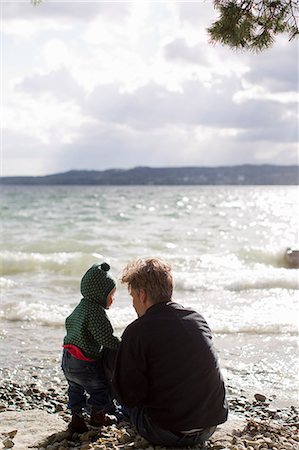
x: 76, y: 352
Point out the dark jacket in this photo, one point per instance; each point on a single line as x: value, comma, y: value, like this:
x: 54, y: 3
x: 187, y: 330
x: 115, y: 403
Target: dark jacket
x: 167, y: 363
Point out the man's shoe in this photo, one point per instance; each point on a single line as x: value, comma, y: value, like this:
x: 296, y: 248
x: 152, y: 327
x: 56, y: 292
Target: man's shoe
x: 100, y: 418
x: 77, y: 424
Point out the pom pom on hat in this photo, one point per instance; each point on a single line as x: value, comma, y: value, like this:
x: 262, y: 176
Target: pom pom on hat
x: 105, y: 266
x: 97, y: 283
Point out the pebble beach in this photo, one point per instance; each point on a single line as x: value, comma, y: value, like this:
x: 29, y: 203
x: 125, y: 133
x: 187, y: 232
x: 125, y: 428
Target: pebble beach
x: 262, y: 426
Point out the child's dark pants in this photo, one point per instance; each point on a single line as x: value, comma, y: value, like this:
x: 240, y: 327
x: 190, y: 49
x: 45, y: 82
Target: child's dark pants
x: 85, y: 377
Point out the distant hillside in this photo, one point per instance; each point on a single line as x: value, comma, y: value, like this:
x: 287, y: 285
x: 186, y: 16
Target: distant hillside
x: 234, y: 175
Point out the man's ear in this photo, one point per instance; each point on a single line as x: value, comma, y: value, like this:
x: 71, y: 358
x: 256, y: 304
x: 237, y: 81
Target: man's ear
x: 143, y: 296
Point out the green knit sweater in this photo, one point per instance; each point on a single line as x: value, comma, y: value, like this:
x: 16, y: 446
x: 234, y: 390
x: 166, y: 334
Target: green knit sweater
x: 89, y: 328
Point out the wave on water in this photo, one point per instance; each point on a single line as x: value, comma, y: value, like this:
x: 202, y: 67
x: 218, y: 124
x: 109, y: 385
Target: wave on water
x: 257, y: 329
x: 264, y: 281
x: 257, y: 278
x: 71, y: 263
x: 36, y: 312
x: 6, y: 283
x: 65, y: 263
x: 54, y: 316
x: 268, y: 255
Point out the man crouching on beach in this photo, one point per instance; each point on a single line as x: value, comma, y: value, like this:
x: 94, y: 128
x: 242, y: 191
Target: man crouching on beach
x: 166, y: 374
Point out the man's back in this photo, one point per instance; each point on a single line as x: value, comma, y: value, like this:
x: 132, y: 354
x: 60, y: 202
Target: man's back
x: 167, y: 363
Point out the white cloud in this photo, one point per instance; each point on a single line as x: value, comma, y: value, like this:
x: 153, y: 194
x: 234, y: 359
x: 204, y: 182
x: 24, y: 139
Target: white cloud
x: 277, y: 69
x: 56, y: 54
x: 179, y: 50
x: 44, y: 118
x: 63, y: 11
x: 258, y: 92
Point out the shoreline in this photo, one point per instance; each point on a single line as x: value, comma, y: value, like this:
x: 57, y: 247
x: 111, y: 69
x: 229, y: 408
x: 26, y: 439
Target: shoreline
x: 260, y: 425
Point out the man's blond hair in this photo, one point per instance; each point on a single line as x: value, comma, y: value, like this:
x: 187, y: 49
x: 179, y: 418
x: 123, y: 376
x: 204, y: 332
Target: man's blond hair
x: 151, y: 274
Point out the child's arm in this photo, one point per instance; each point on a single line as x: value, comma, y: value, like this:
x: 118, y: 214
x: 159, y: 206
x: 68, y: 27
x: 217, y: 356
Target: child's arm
x: 101, y: 330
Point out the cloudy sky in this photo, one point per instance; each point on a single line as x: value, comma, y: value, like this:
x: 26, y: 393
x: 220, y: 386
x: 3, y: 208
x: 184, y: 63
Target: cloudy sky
x: 98, y: 85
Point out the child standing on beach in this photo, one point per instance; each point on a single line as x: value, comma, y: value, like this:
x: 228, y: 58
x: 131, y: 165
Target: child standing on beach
x: 88, y: 334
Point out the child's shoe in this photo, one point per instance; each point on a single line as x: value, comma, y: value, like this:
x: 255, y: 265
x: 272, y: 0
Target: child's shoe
x: 100, y: 418
x: 77, y: 424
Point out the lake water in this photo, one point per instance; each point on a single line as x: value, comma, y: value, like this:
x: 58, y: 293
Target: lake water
x: 225, y: 244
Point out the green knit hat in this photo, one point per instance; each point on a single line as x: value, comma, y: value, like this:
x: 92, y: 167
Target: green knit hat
x: 97, y: 283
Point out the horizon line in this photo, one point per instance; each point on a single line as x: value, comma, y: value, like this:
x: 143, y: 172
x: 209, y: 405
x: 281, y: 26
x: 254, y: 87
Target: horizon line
x: 152, y: 167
